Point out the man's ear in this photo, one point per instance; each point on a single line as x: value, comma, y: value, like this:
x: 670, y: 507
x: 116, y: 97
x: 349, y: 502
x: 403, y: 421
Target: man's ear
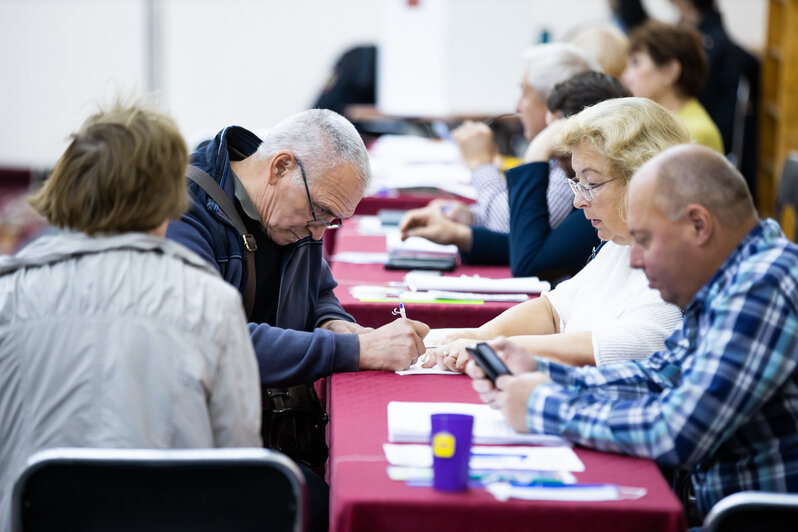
x: 701, y: 223
x: 279, y: 165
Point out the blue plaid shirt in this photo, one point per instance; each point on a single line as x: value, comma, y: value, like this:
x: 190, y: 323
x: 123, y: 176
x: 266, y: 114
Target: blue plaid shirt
x: 721, y: 399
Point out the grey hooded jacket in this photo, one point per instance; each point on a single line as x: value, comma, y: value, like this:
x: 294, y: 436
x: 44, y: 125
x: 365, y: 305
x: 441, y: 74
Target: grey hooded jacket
x: 127, y: 341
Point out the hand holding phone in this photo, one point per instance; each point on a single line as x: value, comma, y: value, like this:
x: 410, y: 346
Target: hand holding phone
x: 487, y: 359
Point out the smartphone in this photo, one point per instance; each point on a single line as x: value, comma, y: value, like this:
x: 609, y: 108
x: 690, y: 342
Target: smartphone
x: 487, y: 359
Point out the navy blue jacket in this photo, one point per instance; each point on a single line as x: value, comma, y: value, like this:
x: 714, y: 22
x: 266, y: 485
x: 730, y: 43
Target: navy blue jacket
x: 293, y: 351
x: 532, y: 247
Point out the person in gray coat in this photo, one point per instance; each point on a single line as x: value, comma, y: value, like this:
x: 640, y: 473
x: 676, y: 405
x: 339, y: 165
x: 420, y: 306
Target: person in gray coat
x: 111, y: 335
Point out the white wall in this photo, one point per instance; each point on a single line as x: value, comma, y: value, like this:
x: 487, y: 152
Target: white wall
x: 249, y: 62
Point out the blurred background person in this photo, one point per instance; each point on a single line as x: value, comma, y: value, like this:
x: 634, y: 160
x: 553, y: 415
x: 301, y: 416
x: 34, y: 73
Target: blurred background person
x: 546, y: 66
x: 668, y: 64
x: 628, y: 14
x: 607, y: 45
x: 733, y: 72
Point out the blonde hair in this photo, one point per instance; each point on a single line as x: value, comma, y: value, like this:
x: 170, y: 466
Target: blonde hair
x: 626, y: 132
x: 123, y: 171
x: 607, y: 45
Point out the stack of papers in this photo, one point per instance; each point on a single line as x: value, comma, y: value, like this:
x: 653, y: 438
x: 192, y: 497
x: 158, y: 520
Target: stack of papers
x: 409, y: 422
x: 475, y: 283
x: 399, y: 161
x: 485, y: 457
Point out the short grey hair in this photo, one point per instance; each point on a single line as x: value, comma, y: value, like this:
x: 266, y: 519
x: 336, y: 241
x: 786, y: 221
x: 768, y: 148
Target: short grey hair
x: 551, y: 63
x: 322, y: 140
x: 696, y: 174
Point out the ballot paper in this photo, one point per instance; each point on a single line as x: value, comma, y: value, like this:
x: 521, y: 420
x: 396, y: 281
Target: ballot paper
x: 409, y: 422
x: 492, y: 457
x: 475, y: 283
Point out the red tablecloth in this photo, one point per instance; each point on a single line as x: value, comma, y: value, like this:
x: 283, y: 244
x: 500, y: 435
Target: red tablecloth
x: 371, y: 314
x: 363, y: 498
x: 402, y: 201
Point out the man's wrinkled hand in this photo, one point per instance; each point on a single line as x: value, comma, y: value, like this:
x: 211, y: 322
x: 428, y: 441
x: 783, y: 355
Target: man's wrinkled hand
x: 392, y: 347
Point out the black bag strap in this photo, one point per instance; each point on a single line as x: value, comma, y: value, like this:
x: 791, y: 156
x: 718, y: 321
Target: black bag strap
x: 209, y: 185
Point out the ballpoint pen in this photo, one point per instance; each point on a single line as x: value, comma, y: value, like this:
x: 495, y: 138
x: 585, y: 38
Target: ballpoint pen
x: 400, y: 311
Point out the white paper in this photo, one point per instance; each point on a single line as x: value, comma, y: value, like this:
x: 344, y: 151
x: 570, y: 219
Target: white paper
x: 436, y: 337
x: 577, y: 492
x: 475, y: 283
x: 361, y: 257
x: 409, y: 422
x: 416, y: 245
x: 485, y: 457
x: 416, y: 369
x: 475, y: 296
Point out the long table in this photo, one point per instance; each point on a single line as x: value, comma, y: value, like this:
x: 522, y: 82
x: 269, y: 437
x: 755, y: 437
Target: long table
x: 375, y: 314
x: 363, y: 498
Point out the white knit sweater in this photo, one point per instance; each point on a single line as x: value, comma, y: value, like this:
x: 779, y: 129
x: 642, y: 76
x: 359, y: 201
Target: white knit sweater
x: 628, y: 319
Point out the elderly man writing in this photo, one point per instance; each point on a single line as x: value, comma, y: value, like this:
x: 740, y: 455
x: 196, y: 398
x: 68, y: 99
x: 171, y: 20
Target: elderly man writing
x: 310, y: 171
x: 722, y: 398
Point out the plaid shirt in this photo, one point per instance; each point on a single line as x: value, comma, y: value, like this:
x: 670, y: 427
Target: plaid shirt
x: 721, y: 399
x: 492, y: 209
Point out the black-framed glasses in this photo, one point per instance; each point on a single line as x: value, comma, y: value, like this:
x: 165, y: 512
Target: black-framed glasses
x: 335, y: 223
x: 586, y: 190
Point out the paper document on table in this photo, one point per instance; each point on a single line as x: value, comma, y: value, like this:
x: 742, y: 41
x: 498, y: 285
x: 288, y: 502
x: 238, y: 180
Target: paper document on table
x: 416, y: 369
x: 446, y: 294
x: 405, y: 161
x: 475, y: 283
x: 576, y: 492
x: 415, y: 245
x: 361, y: 257
x: 436, y: 337
x: 492, y: 457
x: 410, y: 422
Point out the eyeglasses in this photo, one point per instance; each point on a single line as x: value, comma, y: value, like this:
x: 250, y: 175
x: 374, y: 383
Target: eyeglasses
x: 335, y: 223
x: 586, y: 190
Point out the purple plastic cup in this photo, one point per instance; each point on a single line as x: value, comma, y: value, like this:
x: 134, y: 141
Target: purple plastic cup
x: 450, y: 440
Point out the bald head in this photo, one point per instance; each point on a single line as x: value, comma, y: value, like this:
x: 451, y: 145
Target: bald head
x: 688, y: 210
x: 692, y: 174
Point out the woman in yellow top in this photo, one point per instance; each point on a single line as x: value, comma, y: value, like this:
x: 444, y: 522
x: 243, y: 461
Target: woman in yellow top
x: 667, y: 64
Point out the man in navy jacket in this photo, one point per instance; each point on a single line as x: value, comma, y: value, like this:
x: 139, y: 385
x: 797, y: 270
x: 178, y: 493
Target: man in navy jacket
x: 310, y: 171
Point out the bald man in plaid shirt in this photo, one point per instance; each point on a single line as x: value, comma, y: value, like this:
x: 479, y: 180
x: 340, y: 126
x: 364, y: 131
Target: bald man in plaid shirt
x: 722, y: 398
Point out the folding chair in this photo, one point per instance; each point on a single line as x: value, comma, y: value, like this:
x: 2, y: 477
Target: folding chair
x: 753, y: 510
x: 70, y: 489
x: 787, y: 195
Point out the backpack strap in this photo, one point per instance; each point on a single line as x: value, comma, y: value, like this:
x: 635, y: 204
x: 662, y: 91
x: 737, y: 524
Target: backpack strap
x: 209, y: 185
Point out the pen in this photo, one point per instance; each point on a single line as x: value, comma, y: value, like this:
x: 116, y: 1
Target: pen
x: 400, y: 311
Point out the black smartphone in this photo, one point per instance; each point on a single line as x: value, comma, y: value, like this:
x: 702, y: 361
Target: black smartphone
x: 487, y: 359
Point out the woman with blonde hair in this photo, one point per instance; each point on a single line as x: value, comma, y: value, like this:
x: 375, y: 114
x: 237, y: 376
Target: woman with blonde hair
x: 606, y: 312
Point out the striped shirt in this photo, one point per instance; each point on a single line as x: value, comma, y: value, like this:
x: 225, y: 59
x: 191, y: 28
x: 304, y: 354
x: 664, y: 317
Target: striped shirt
x: 492, y: 210
x: 720, y: 399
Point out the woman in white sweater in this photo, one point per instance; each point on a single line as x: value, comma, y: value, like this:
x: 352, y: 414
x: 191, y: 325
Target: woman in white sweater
x: 606, y: 312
